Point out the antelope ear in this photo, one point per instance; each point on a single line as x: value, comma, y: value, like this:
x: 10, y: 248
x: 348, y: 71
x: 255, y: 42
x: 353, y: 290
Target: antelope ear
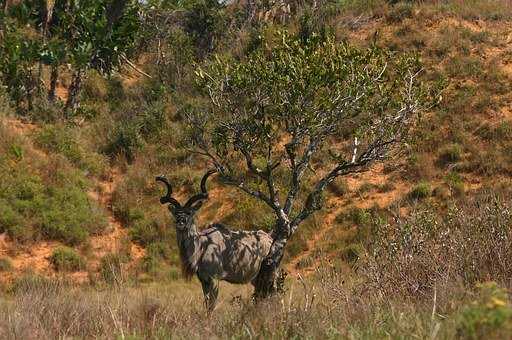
x: 196, y: 206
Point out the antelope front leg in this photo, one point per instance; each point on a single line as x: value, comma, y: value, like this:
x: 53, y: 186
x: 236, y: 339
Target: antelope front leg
x: 210, y: 291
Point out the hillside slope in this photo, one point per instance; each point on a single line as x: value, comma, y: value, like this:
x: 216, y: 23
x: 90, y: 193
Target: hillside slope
x: 459, y: 148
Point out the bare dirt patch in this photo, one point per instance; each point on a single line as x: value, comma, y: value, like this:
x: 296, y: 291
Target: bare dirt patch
x: 338, y: 204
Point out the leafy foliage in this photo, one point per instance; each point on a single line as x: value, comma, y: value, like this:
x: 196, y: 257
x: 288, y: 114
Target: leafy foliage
x: 85, y: 34
x: 291, y: 99
x: 66, y: 259
x: 43, y: 198
x: 490, y: 315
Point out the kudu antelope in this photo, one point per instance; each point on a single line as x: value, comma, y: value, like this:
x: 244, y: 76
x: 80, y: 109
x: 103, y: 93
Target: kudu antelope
x: 215, y: 253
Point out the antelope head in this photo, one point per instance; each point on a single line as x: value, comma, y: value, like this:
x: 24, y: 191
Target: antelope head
x: 184, y: 214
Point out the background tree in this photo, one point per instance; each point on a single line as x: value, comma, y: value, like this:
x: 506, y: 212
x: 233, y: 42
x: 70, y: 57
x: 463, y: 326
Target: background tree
x: 20, y: 52
x: 84, y: 34
x: 295, y: 103
x: 98, y: 35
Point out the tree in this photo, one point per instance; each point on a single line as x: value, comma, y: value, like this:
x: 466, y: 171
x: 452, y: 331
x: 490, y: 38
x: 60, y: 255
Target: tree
x: 98, y: 35
x: 295, y: 103
x: 19, y: 51
x: 85, y: 34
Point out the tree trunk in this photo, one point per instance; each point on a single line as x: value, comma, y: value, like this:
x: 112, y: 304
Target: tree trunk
x: 73, y: 102
x: 114, y: 12
x: 269, y: 279
x: 54, y: 75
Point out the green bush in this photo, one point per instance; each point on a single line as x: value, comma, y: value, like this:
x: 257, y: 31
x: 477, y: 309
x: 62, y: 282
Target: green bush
x: 357, y: 216
x: 455, y: 182
x: 66, y: 259
x: 44, y: 196
x: 500, y: 133
x: 339, y: 187
x: 352, y: 252
x: 489, y: 316
x: 70, y: 217
x: 150, y: 264
x: 125, y: 140
x: 420, y: 191
x: 61, y: 139
x: 399, y: 12
x: 366, y: 187
x: 161, y: 250
x: 145, y: 232
x: 450, y: 154
x: 386, y: 187
x: 5, y: 264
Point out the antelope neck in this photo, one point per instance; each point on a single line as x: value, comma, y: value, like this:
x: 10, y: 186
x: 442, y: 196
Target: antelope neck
x: 190, y: 248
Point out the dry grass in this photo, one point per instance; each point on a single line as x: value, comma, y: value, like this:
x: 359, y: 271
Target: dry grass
x: 52, y: 310
x: 330, y: 305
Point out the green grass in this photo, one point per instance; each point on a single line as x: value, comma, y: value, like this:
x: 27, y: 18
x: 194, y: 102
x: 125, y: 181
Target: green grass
x: 64, y: 140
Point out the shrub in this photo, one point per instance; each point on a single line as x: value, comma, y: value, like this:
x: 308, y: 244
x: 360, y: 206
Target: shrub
x: 500, y: 133
x: 150, y: 264
x: 357, y: 216
x: 399, y: 12
x: 450, y: 154
x: 254, y: 214
x: 352, y: 252
x: 161, y: 250
x: 339, y: 187
x: 441, y: 192
x: 420, y: 191
x: 489, y: 316
x: 455, y: 182
x: 468, y: 244
x: 125, y: 140
x: 61, y: 139
x: 386, y: 187
x: 145, y: 232
x: 305, y: 262
x: 69, y: 217
x: 365, y: 187
x: 95, y: 87
x: 66, y: 259
x: 5, y: 264
x: 56, y: 208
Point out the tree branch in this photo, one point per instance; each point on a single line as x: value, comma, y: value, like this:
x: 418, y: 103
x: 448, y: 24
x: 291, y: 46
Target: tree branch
x: 297, y: 172
x: 313, y: 201
x: 227, y: 179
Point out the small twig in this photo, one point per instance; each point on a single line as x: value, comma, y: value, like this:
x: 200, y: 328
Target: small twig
x: 435, y: 303
x: 132, y: 65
